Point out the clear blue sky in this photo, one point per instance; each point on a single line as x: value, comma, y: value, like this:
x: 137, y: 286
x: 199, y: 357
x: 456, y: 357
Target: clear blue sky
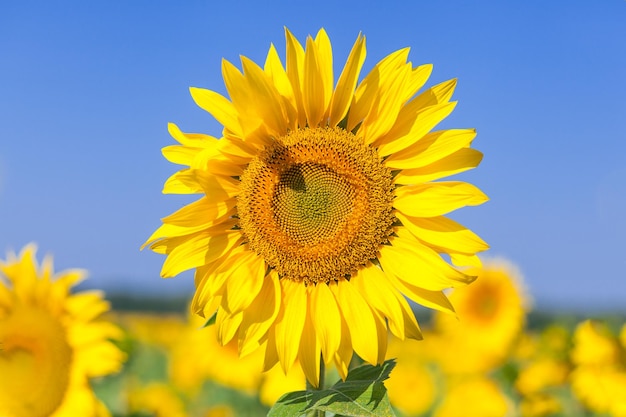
x: 88, y: 87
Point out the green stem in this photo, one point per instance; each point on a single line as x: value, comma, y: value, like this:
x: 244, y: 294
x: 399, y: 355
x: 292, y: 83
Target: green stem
x: 310, y: 387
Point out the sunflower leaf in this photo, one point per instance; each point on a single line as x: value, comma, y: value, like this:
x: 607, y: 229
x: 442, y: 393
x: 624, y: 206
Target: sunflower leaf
x: 211, y: 320
x: 362, y: 394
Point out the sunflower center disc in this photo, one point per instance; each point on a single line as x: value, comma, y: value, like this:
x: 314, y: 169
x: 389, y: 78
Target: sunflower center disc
x: 312, y: 203
x: 316, y: 204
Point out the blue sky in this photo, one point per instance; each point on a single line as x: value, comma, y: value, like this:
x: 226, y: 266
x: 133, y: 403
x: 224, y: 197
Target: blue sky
x: 87, y: 90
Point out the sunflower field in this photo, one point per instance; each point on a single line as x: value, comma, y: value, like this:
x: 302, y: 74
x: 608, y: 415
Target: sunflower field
x: 330, y: 279
x: 499, y: 359
x: 149, y: 357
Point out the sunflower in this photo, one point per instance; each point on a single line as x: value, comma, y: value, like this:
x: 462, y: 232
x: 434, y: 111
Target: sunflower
x: 196, y: 357
x: 492, y: 314
x: 50, y: 341
x: 318, y: 209
x: 155, y: 399
x: 414, y: 384
x: 478, y: 396
x: 599, y: 375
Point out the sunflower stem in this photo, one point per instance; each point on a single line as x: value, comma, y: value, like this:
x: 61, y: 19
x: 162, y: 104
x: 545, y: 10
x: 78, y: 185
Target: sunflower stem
x: 310, y: 387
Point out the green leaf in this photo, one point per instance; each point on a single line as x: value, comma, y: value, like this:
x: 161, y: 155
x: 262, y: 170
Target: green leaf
x: 211, y: 320
x: 362, y: 394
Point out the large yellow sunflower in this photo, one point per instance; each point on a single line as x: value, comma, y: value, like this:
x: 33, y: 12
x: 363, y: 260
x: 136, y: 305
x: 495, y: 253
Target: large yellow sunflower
x: 318, y: 209
x: 51, y: 342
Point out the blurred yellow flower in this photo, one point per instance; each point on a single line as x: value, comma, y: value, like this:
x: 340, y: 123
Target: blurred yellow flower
x: 540, y: 405
x: 276, y: 383
x: 543, y: 370
x: 491, y: 315
x: 160, y: 330
x: 541, y: 373
x: 51, y: 341
x: 412, y: 386
x: 474, y: 397
x: 595, y: 345
x: 319, y: 210
x: 156, y: 399
x: 599, y: 376
x: 197, y: 357
x: 222, y: 410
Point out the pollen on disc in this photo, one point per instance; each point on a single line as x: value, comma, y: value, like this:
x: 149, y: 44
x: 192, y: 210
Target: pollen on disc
x: 312, y: 202
x: 316, y: 204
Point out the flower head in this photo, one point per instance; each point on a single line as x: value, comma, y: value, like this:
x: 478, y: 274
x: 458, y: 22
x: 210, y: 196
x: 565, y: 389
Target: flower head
x: 492, y: 314
x: 599, y: 375
x: 51, y: 342
x: 319, y: 211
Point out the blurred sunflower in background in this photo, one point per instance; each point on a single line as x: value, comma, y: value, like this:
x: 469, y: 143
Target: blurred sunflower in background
x: 544, y: 370
x: 319, y: 209
x: 599, y: 376
x: 51, y: 341
x: 491, y: 318
x: 196, y: 357
x: 476, y: 396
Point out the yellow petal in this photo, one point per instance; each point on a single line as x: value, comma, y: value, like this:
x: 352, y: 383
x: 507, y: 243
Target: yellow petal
x: 383, y: 336
x: 357, y: 313
x: 182, y: 182
x: 431, y: 148
x: 271, y: 354
x: 417, y: 79
x: 295, y: 73
x: 367, y: 90
x: 216, y: 187
x: 267, y: 101
x: 412, y: 262
x: 194, y: 140
x: 219, y: 166
x: 380, y: 294
x: 181, y: 155
x: 227, y: 325
x: 87, y: 305
x: 326, y: 319
x: 201, y: 211
x: 236, y: 149
x: 313, y: 88
x: 260, y: 315
x: 224, y: 268
x: 342, y: 96
x: 244, y: 102
x: 244, y: 283
x: 344, y: 354
x: 170, y: 231
x: 443, y: 234
x: 274, y: 68
x: 203, y: 294
x: 402, y: 136
x: 385, y: 108
x: 290, y: 322
x: 198, y: 250
x: 6, y: 298
x: 460, y: 161
x: 218, y: 106
x: 309, y: 352
x: 436, y: 198
x: 436, y: 300
x: 465, y: 260
x: 440, y: 93
x: 325, y: 65
x: 411, y: 327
